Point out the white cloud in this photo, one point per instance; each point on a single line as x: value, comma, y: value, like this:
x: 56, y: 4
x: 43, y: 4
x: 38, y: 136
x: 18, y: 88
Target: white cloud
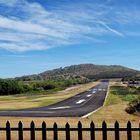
x: 128, y: 16
x: 8, y: 2
x: 28, y: 27
x: 35, y: 28
x: 22, y: 47
x: 42, y: 29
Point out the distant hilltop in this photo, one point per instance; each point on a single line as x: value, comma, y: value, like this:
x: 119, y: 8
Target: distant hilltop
x: 83, y: 71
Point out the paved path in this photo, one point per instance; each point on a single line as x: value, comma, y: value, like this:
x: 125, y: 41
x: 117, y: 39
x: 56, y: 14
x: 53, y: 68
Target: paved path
x: 76, y: 106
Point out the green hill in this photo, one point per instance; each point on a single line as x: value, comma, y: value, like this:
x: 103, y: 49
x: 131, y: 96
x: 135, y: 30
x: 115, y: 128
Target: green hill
x: 83, y: 71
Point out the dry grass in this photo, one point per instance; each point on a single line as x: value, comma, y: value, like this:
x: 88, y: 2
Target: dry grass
x: 97, y: 118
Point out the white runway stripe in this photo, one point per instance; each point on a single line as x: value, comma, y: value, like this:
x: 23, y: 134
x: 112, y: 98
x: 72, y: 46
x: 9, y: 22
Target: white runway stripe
x: 61, y: 107
x: 80, y: 101
x: 89, y: 95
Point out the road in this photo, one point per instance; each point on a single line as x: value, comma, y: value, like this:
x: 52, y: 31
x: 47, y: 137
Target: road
x: 76, y: 106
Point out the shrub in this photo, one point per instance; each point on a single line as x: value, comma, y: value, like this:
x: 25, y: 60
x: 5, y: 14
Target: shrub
x: 26, y: 88
x: 48, y: 87
x: 129, y: 97
x: 133, y: 106
x: 130, y: 110
x: 8, y: 87
x: 138, y: 89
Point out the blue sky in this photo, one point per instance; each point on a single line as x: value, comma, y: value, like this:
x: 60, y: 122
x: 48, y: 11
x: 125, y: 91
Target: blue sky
x: 37, y: 35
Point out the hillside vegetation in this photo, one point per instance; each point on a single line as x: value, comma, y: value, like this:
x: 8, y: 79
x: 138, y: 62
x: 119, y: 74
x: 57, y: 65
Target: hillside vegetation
x: 11, y: 87
x: 132, y: 78
x: 83, y: 72
x: 62, y: 78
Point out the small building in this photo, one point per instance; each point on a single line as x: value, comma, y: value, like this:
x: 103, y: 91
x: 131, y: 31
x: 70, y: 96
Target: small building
x: 134, y: 83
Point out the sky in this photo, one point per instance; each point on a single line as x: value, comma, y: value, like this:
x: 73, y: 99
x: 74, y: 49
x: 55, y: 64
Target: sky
x: 39, y: 35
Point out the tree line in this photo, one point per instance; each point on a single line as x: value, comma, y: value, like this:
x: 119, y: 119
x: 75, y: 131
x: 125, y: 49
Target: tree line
x: 10, y: 87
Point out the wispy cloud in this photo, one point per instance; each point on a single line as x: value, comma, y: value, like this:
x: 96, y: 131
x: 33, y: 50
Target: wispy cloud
x: 40, y: 29
x: 29, y: 26
x: 112, y: 30
x: 8, y: 2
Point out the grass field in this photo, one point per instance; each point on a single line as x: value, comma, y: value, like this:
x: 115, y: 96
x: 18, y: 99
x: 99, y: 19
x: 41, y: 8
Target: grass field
x: 114, y: 109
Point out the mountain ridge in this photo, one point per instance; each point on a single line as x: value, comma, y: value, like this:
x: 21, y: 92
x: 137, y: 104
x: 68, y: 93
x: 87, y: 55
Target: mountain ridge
x: 83, y: 71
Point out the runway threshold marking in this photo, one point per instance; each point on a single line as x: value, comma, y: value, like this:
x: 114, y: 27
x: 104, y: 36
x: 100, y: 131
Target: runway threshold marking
x: 80, y: 101
x: 101, y: 89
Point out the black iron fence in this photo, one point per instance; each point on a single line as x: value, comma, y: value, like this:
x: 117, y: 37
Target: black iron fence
x: 67, y: 130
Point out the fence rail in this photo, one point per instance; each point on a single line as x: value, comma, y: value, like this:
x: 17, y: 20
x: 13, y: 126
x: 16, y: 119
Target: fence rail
x: 67, y: 129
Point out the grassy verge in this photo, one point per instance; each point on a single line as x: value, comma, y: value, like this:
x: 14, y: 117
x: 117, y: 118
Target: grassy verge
x: 31, y: 100
x: 112, y: 99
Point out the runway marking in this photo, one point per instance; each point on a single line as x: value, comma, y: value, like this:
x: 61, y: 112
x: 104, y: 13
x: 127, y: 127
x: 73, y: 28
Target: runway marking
x: 80, y: 101
x: 61, y: 107
x: 89, y: 90
x: 94, y: 89
x: 99, y: 107
x: 99, y: 89
x: 89, y: 95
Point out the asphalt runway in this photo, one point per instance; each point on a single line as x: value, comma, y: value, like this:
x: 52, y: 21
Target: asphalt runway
x: 76, y: 106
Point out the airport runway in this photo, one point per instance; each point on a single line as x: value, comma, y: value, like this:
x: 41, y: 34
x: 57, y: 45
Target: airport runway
x: 76, y: 106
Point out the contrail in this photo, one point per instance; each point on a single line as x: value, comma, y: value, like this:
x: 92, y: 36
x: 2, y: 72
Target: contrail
x: 112, y: 30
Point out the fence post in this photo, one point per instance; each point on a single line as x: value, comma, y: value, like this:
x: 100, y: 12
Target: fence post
x: 20, y: 131
x: 104, y: 129
x: 55, y: 131
x: 79, y: 130
x: 117, y: 136
x: 129, y: 132
x: 67, y: 131
x: 44, y: 136
x: 92, y: 131
x: 32, y: 130
x: 8, y: 131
